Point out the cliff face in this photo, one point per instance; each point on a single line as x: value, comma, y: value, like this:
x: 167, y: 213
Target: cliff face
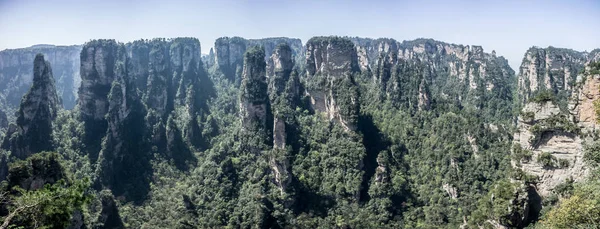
x: 159, y: 84
x: 283, y: 91
x: 551, y: 145
x: 552, y: 69
x: 416, y: 73
x: 39, y: 107
x: 331, y: 63
x: 229, y: 52
x: 279, y: 70
x: 177, y: 84
x: 16, y: 78
x: 553, y: 137
x: 99, y: 60
x: 254, y: 100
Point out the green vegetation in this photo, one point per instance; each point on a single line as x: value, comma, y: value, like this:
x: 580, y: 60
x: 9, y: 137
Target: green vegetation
x: 520, y: 154
x: 50, y: 204
x: 430, y: 150
x: 528, y: 116
x: 547, y: 160
x: 563, y: 163
x: 594, y: 68
x: 592, y: 153
x: 543, y: 96
x: 580, y: 210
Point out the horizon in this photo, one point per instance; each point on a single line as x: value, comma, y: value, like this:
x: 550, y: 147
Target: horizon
x: 510, y: 28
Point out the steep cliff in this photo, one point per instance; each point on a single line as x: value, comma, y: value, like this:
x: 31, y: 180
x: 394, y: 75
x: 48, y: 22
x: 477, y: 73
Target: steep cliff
x: 152, y: 90
x: 283, y: 91
x: 16, y: 78
x: 550, y: 69
x: 422, y: 72
x: 123, y: 161
x: 39, y: 107
x: 98, y: 69
x: 551, y: 139
x: 254, y: 100
x: 279, y: 69
x: 229, y: 52
x: 548, y: 146
x: 331, y: 63
x: 174, y: 81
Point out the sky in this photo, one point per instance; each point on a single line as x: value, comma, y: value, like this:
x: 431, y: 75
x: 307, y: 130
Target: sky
x: 509, y: 27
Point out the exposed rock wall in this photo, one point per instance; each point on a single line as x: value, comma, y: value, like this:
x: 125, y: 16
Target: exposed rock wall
x: 160, y: 84
x: 99, y: 60
x: 33, y: 130
x: 279, y: 69
x: 229, y: 52
x: 331, y: 63
x: 581, y: 104
x: 16, y: 77
x: 415, y: 73
x: 254, y: 100
x: 563, y: 138
x: 552, y: 69
x: 539, y: 136
x: 282, y: 91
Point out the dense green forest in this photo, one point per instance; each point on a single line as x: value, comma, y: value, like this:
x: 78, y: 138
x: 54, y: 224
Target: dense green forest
x: 269, y: 134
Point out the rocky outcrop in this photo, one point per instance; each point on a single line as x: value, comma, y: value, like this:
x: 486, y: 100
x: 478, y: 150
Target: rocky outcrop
x: 279, y: 70
x: 123, y: 145
x: 332, y: 57
x: 553, y: 138
x: 549, y: 146
x: 117, y: 117
x: 33, y: 130
x: 552, y: 69
x: 413, y: 74
x: 137, y: 98
x: 139, y: 56
x: 584, y: 96
x: 254, y: 100
x: 331, y: 63
x: 99, y: 60
x: 229, y: 52
x: 209, y: 59
x: 172, y: 78
x: 283, y: 88
x: 271, y: 44
x: 16, y: 78
x: 159, y: 93
x: 229, y: 56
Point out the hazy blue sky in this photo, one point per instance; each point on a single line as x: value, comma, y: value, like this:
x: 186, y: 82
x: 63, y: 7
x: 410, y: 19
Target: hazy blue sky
x: 509, y: 27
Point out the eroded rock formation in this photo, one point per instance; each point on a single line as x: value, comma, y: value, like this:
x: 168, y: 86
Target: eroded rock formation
x: 16, y: 78
x: 254, y: 100
x: 552, y: 69
x: 415, y: 73
x: 99, y: 60
x: 229, y: 52
x: 33, y: 130
x: 331, y: 63
x: 552, y: 145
